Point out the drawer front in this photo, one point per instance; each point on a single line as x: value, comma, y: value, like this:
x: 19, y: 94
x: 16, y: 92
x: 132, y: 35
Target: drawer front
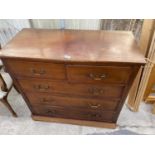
x: 98, y: 74
x: 71, y: 113
x: 35, y: 85
x: 72, y: 102
x: 37, y: 69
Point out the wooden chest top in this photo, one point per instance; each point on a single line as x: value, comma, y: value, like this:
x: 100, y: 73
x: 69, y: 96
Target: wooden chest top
x: 74, y: 45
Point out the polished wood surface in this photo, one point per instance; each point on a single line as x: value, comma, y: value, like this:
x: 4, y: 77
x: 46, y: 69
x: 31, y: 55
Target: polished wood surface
x: 72, y: 89
x: 37, y: 69
x: 75, y: 102
x: 74, y: 45
x: 75, y: 122
x: 74, y: 113
x: 99, y: 74
x: 70, y: 76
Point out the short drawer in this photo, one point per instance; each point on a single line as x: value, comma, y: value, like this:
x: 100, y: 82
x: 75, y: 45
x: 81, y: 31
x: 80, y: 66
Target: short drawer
x: 98, y: 74
x: 37, y: 69
x: 71, y: 113
x: 60, y: 87
x: 71, y: 102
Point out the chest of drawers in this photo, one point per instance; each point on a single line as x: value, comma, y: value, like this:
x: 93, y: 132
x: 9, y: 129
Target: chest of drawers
x: 77, y: 77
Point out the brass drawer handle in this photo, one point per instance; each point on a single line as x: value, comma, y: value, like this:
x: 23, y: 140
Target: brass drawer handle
x: 51, y: 112
x: 44, y: 100
x: 41, y: 87
x: 38, y: 72
x: 97, y: 77
x: 94, y: 106
x: 96, y: 91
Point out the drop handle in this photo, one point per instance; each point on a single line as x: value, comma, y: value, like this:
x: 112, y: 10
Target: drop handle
x: 38, y: 72
x: 51, y: 112
x: 45, y: 100
x: 97, y: 77
x: 94, y: 106
x: 41, y: 87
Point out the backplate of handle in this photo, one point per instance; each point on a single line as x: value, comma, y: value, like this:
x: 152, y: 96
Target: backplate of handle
x: 96, y: 91
x: 97, y: 77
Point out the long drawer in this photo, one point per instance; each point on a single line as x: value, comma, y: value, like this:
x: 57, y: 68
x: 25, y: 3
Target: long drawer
x: 37, y: 69
x: 72, y: 113
x: 98, y: 74
x: 61, y: 87
x: 38, y: 99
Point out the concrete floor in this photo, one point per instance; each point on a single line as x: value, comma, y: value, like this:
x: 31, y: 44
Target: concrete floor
x: 142, y: 122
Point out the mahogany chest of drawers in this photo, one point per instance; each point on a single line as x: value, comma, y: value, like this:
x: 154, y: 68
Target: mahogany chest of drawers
x: 73, y: 76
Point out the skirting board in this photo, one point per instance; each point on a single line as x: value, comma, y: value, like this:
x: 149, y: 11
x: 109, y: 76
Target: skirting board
x: 75, y: 122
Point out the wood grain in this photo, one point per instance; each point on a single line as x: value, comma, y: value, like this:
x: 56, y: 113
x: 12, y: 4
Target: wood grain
x: 74, y: 113
x: 98, y: 74
x: 74, y: 45
x: 75, y: 122
x: 146, y: 35
x: 37, y: 69
x: 145, y: 41
x: 79, y: 70
x: 146, y: 73
x: 72, y: 89
x: 74, y: 102
x: 150, y: 83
